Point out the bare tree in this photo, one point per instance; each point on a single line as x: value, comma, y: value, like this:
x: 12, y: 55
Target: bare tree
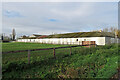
x: 13, y: 34
x: 2, y: 37
x: 105, y: 30
x: 113, y: 29
x: 116, y: 33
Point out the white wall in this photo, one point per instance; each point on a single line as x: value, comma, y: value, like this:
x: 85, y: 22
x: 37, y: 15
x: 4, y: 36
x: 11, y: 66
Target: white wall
x: 99, y: 40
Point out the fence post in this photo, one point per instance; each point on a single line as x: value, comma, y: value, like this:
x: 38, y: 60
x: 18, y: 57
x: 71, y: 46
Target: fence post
x: 54, y: 52
x: 70, y: 50
x: 28, y: 56
x: 89, y: 44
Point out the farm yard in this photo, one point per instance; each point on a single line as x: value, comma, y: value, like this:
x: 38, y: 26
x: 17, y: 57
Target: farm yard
x: 94, y: 62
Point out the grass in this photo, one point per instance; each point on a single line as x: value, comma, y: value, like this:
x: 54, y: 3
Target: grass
x: 14, y: 46
x: 98, y: 62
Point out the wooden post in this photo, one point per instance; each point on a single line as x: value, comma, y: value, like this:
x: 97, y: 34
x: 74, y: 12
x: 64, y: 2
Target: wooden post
x: 54, y: 52
x: 70, y: 50
x: 89, y: 44
x: 95, y: 44
x: 28, y: 56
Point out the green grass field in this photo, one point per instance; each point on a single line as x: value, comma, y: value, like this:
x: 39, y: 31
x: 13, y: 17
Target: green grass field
x: 25, y: 46
x: 98, y: 62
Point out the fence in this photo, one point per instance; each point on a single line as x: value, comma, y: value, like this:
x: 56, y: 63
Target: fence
x: 54, y: 50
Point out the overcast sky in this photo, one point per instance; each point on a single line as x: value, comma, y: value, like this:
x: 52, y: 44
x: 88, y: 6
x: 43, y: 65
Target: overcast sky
x: 58, y: 17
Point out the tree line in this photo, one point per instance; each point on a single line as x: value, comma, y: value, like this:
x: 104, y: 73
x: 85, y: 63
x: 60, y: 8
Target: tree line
x: 113, y: 30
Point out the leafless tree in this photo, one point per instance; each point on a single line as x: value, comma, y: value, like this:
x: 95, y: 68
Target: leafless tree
x: 105, y: 30
x: 13, y: 34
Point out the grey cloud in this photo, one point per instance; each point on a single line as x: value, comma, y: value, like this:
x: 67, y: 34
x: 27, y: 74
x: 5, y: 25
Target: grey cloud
x: 71, y: 17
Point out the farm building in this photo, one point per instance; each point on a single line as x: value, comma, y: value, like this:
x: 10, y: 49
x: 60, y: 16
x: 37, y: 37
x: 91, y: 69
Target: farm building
x: 99, y: 38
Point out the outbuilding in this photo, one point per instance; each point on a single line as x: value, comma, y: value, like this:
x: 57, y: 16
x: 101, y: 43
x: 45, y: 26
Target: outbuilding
x: 98, y: 38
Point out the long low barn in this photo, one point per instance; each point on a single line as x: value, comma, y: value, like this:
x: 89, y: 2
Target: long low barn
x: 77, y: 41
